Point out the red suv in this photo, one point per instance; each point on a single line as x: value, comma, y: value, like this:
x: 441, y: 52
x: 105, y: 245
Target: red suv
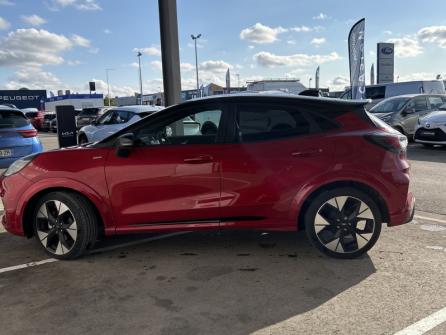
x: 276, y: 163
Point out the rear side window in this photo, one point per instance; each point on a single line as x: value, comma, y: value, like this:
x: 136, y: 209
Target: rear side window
x: 263, y: 122
x: 436, y: 102
x: 12, y: 119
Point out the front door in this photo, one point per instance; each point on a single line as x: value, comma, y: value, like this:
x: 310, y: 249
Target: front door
x: 171, y: 180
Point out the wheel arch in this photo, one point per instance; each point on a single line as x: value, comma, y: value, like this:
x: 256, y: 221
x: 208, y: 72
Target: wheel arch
x: 338, y: 184
x: 27, y: 220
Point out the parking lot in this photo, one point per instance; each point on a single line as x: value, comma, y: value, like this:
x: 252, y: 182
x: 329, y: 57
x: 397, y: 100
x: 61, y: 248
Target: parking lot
x: 238, y: 282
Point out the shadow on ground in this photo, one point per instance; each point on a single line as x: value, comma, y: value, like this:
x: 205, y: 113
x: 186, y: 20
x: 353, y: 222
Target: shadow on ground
x: 200, y: 283
x: 417, y: 152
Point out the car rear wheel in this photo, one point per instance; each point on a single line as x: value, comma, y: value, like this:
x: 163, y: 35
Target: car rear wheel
x: 343, y: 223
x: 65, y: 225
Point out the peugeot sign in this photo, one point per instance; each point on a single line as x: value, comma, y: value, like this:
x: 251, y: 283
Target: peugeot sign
x: 23, y: 98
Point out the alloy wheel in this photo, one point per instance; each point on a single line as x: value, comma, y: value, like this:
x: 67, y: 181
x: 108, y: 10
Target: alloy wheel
x: 344, y: 224
x: 56, y: 227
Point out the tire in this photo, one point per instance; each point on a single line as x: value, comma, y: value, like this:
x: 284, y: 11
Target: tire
x: 330, y: 232
x: 65, y: 225
x: 82, y: 139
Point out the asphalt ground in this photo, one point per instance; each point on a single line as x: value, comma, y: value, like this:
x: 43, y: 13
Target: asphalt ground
x: 238, y: 282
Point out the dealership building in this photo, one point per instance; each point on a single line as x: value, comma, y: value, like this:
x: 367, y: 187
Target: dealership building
x: 79, y: 101
x: 24, y: 98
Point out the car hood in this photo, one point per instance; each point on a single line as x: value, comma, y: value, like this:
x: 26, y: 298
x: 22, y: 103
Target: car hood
x: 435, y: 117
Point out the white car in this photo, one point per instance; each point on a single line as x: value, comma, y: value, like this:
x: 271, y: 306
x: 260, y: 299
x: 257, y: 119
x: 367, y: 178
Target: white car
x: 114, y: 120
x: 431, y: 129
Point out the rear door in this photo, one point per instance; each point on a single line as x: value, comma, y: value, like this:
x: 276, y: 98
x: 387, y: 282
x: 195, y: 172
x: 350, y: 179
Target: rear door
x: 275, y: 151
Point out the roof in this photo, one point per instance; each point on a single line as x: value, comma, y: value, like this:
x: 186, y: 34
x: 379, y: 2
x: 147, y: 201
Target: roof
x: 139, y: 108
x: 408, y: 96
x: 276, y: 96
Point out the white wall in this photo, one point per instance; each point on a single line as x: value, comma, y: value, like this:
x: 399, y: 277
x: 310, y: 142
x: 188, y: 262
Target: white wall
x: 77, y: 103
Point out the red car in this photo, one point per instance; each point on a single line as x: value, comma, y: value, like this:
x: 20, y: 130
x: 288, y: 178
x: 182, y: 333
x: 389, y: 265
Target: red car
x: 276, y: 163
x: 36, y: 118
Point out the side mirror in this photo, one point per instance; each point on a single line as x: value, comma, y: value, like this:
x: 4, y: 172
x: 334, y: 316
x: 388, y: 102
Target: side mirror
x: 124, y: 145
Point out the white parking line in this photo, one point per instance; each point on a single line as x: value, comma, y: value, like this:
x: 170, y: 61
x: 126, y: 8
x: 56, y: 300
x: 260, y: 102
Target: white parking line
x: 27, y: 265
x: 429, y: 219
x: 426, y: 324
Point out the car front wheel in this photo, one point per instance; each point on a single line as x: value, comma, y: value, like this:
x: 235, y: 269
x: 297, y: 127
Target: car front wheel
x: 343, y: 223
x: 65, y: 224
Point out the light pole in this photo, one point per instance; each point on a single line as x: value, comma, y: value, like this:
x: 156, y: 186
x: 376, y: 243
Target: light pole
x: 195, y: 38
x: 108, y: 84
x: 139, y: 54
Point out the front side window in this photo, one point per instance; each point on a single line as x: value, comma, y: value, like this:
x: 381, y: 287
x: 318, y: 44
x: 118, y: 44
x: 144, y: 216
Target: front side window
x: 121, y: 117
x: 390, y: 106
x: 195, y: 128
x: 260, y: 122
x: 107, y: 118
x: 420, y: 104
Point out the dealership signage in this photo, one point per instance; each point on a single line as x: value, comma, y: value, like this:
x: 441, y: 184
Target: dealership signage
x: 23, y: 98
x: 386, y: 62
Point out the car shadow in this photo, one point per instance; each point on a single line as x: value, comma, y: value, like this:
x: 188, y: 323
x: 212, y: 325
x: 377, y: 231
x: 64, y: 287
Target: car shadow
x: 196, y: 283
x: 417, y: 152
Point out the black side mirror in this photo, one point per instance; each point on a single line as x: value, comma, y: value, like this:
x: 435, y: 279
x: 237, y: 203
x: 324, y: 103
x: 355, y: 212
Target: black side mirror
x: 124, y: 145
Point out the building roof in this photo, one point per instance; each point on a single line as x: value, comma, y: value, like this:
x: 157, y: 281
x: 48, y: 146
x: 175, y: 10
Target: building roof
x: 140, y: 108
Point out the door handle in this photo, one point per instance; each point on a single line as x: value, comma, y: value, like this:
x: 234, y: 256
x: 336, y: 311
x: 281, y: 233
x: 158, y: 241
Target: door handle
x: 307, y: 153
x: 199, y: 159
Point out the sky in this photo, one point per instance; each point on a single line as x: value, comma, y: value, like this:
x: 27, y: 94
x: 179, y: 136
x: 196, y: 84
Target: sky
x: 63, y: 44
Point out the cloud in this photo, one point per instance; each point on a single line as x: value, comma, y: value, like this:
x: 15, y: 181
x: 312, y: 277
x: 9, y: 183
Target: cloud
x: 6, y: 3
x: 251, y: 47
x: 261, y: 34
x: 186, y: 67
x: 433, y: 34
x: 88, y: 5
x: 4, y: 24
x: 33, y: 78
x: 33, y: 47
x: 406, y: 47
x: 33, y: 20
x: 151, y: 51
x: 301, y: 29
x: 291, y: 42
x: 107, y: 31
x: 156, y: 64
x: 267, y: 59
x: 321, y: 16
x: 417, y: 76
x: 318, y: 41
x: 216, y: 66
x: 338, y: 83
x: 74, y: 62
x: 115, y: 90
x: 81, y: 41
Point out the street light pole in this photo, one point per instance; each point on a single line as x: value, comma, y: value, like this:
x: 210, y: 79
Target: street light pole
x: 139, y: 54
x: 108, y: 84
x: 195, y: 38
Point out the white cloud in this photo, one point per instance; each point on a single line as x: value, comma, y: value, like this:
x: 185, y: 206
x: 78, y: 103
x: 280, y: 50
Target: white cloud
x: 318, y: 41
x: 251, y: 47
x: 407, y: 46
x: 4, y: 24
x: 134, y: 64
x: 33, y: 78
x: 301, y: 29
x: 291, y: 42
x: 261, y: 34
x: 186, y: 67
x: 151, y: 51
x: 215, y: 66
x: 32, y: 47
x: 81, y: 41
x: 338, y: 83
x: 74, y: 62
x: 417, y: 76
x: 33, y: 20
x: 94, y: 51
x: 6, y: 3
x: 433, y: 34
x: 321, y: 16
x: 388, y: 32
x: 107, y: 31
x: 156, y: 64
x: 88, y: 5
x: 115, y: 90
x: 267, y: 59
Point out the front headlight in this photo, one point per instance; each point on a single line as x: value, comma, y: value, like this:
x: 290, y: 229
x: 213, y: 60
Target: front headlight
x: 19, y: 165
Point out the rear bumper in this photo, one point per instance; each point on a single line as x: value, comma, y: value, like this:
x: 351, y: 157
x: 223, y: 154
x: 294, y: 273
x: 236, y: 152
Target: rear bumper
x: 406, y: 214
x: 36, y: 147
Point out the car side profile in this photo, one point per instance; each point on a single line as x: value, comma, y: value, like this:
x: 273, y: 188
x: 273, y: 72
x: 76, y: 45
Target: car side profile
x: 270, y: 163
x: 113, y: 120
x: 18, y: 138
x: 431, y: 129
x: 403, y: 112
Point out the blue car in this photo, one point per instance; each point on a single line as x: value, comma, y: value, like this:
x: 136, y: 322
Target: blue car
x: 18, y: 138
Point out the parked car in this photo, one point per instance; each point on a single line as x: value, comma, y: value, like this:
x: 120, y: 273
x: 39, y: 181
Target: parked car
x: 35, y: 116
x: 378, y: 93
x: 47, y: 118
x: 402, y: 112
x: 18, y: 138
x: 113, y: 120
x: 53, y: 125
x: 431, y: 129
x: 89, y: 115
x: 269, y: 163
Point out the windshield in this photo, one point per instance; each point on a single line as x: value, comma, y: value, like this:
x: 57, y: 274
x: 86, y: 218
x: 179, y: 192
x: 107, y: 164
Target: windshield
x: 89, y: 112
x: 390, y: 106
x: 12, y: 119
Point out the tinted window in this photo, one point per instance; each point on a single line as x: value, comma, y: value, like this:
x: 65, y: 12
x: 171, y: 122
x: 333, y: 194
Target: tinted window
x: 436, y: 102
x: 420, y: 104
x: 262, y: 122
x: 12, y: 119
x: 390, y: 106
x: 106, y: 118
x: 375, y: 92
x: 121, y: 117
x: 195, y: 128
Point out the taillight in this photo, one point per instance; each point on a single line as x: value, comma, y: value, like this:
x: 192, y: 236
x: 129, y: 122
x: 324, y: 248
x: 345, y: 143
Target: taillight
x: 28, y: 133
x: 394, y: 143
